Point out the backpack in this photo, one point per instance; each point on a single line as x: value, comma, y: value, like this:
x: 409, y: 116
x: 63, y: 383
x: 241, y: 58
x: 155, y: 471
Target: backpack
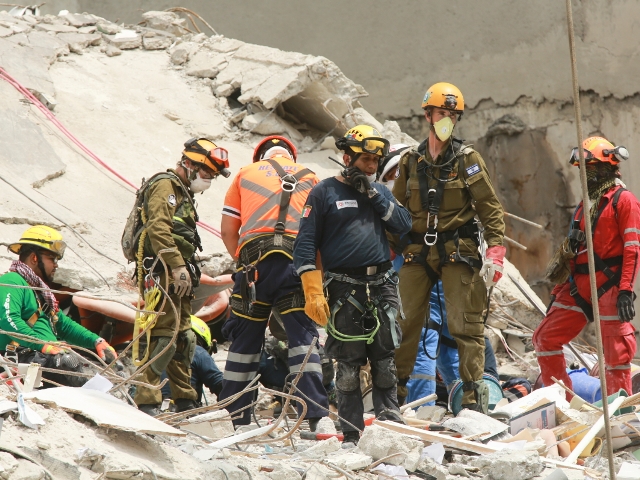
x: 134, y: 226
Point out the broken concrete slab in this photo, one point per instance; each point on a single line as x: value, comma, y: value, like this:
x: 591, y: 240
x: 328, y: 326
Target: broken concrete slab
x: 80, y: 19
x: 431, y: 467
x: 321, y: 449
x: 379, y: 442
x: 103, y: 409
x: 266, y: 123
x: 182, y: 51
x: 167, y: 21
x: 56, y: 28
x: 108, y: 28
x: 124, y: 40
x: 79, y: 41
x: 350, y: 461
x: 509, y: 465
x: 8, y: 465
x: 206, y: 64
x: 157, y: 40
x: 6, y: 31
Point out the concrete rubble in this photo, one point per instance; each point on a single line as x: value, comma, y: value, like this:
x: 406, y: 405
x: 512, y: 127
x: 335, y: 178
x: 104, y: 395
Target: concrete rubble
x: 107, y: 83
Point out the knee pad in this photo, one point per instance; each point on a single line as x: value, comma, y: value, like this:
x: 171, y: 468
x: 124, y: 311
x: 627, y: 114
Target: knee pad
x: 160, y: 364
x: 384, y: 373
x: 348, y: 377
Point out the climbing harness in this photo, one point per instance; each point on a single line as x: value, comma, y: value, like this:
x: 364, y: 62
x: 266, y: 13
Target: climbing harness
x: 576, y: 239
x: 369, y: 321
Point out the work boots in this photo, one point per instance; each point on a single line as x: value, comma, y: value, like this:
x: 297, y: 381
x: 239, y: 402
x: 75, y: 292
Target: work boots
x: 481, y: 391
x: 350, y: 437
x: 391, y: 415
x: 184, y: 404
x: 150, y: 409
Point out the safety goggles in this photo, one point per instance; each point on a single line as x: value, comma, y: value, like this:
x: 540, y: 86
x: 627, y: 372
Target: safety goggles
x: 219, y: 156
x: 57, y: 247
x: 620, y: 153
x: 374, y: 145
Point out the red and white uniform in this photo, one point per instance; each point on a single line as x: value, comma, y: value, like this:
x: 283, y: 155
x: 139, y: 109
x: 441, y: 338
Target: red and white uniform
x: 617, y: 233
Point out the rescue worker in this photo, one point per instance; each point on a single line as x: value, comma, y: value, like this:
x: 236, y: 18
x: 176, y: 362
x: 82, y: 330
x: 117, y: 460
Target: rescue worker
x: 170, y: 212
x: 346, y: 218
x: 444, y: 185
x: 204, y: 371
x: 438, y: 351
x: 615, y: 219
x: 260, y: 221
x: 35, y: 313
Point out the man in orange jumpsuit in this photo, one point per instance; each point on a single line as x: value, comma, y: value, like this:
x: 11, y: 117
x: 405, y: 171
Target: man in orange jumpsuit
x: 615, y: 219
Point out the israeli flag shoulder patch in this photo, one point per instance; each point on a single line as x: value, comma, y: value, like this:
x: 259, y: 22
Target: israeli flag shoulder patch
x: 473, y: 169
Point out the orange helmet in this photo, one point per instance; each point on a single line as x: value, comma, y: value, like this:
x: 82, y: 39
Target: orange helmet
x: 274, y: 141
x: 599, y: 149
x: 444, y: 95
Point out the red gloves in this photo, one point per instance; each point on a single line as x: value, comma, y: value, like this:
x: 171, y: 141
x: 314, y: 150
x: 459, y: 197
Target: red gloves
x: 493, y: 263
x: 105, y: 351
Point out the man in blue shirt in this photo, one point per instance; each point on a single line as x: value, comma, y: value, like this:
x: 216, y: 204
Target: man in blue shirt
x: 346, y: 219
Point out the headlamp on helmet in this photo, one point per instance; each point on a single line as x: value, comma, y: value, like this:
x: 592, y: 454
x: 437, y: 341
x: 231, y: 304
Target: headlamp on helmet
x: 207, y: 153
x: 444, y: 95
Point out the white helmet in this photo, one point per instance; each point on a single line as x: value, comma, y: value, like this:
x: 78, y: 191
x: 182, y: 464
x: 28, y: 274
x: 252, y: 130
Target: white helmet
x: 391, y: 161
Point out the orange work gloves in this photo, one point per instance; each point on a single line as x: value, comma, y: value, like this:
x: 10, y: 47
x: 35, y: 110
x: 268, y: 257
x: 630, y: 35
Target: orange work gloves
x: 105, y: 351
x: 50, y: 349
x: 316, y: 306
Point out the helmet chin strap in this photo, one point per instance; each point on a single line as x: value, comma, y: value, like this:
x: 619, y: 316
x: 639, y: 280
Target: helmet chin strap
x: 192, y: 173
x: 43, y: 272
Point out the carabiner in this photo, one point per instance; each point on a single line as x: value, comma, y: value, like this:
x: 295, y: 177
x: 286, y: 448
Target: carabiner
x: 289, y: 183
x: 434, y: 235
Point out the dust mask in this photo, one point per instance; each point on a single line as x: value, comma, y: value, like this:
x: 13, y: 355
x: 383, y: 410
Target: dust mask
x: 371, y: 178
x: 199, y: 184
x: 389, y: 184
x: 443, y: 128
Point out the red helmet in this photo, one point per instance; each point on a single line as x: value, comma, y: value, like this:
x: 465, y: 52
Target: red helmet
x: 274, y: 141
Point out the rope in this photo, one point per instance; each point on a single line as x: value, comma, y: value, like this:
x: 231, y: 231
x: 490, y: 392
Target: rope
x: 588, y: 233
x: 52, y: 118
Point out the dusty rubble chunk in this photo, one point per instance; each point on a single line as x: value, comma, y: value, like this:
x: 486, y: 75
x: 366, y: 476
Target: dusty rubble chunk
x: 509, y: 465
x: 351, y: 461
x: 323, y: 448
x: 8, y: 465
x: 79, y: 41
x: 167, y: 21
x: 181, y: 52
x: 124, y: 40
x: 380, y: 442
x: 27, y: 471
x: 157, y: 40
x: 431, y: 467
x: 79, y: 19
x: 326, y: 425
x: 108, y: 28
x: 56, y: 28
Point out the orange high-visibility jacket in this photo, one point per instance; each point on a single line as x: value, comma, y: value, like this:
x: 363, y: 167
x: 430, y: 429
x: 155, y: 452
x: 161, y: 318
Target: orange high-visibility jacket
x: 254, y: 198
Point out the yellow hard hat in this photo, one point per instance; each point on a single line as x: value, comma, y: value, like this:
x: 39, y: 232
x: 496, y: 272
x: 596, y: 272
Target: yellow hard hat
x: 363, y: 138
x: 202, y: 329
x: 41, y: 236
x: 444, y: 95
x: 207, y: 153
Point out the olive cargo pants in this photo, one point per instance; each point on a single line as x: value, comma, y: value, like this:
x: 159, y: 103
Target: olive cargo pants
x: 178, y: 370
x: 465, y: 296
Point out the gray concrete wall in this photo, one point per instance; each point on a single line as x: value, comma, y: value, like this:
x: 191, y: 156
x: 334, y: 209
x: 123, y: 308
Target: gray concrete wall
x: 507, y: 57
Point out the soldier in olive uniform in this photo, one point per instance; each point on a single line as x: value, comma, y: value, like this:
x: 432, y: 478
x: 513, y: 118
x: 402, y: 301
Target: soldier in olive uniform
x: 169, y: 217
x: 444, y: 184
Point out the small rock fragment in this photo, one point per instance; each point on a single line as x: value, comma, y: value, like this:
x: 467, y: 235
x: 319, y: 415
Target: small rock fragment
x: 326, y: 425
x: 509, y: 465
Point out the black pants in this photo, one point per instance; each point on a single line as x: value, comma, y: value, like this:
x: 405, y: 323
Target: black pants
x: 352, y: 355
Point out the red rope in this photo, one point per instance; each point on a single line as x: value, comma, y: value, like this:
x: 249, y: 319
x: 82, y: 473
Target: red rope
x: 47, y: 113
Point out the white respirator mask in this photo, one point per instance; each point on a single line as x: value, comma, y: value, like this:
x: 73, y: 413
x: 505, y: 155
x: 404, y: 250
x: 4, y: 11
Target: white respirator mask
x: 199, y: 184
x: 389, y: 184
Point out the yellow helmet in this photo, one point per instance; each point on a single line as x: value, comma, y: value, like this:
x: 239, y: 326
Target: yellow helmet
x: 207, y: 153
x: 444, y: 95
x: 363, y: 138
x: 41, y: 236
x: 202, y: 329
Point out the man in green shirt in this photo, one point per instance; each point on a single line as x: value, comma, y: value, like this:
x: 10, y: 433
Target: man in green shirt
x: 35, y: 313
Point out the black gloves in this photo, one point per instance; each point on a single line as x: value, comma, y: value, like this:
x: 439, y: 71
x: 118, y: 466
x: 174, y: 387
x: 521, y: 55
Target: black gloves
x: 626, y: 312
x: 553, y: 299
x: 357, y: 179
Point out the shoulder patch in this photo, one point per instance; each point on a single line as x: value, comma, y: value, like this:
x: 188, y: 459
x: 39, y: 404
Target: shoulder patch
x: 473, y: 169
x: 306, y: 211
x: 466, y: 149
x: 346, y: 204
x: 171, y: 199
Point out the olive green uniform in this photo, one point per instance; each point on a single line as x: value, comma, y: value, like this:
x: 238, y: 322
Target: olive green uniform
x: 467, y: 192
x: 171, y: 224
